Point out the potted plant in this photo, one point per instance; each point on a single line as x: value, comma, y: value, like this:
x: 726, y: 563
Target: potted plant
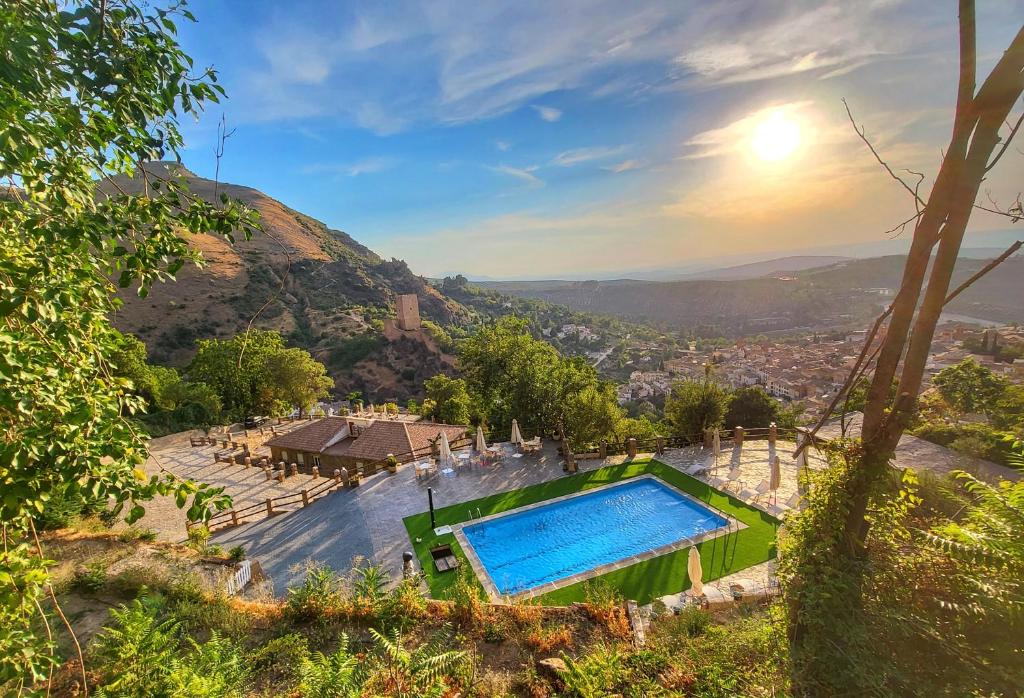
x: 392, y: 463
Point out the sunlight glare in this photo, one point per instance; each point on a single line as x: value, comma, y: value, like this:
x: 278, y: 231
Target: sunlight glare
x: 776, y: 137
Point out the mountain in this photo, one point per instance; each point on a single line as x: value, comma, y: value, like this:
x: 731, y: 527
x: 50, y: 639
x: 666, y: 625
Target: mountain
x: 334, y: 299
x: 842, y: 295
x: 771, y: 267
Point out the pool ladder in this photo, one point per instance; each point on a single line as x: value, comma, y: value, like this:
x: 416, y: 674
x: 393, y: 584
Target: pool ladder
x: 477, y: 516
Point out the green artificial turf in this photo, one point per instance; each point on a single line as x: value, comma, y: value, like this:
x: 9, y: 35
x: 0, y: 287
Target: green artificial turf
x: 643, y: 581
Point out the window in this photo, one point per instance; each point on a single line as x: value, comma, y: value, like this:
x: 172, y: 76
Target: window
x: 284, y: 456
x: 298, y: 457
x: 316, y: 461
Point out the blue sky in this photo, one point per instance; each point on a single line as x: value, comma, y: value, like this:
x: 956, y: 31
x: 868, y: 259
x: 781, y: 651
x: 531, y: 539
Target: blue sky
x: 539, y: 139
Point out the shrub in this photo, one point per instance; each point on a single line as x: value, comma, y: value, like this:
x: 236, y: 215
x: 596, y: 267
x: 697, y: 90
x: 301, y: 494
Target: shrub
x: 280, y: 661
x: 132, y: 534
x: 199, y: 538
x: 466, y: 596
x: 91, y: 578
x: 236, y: 554
x: 545, y: 639
x: 607, y: 607
x: 317, y: 598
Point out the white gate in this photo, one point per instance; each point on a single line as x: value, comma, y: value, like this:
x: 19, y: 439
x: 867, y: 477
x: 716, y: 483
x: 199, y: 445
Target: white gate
x: 241, y: 577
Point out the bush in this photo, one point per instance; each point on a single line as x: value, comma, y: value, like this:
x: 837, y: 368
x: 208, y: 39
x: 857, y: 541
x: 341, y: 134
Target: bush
x: 236, y: 554
x: 91, y: 578
x: 317, y: 598
x: 199, y: 538
x: 280, y: 661
x: 132, y: 534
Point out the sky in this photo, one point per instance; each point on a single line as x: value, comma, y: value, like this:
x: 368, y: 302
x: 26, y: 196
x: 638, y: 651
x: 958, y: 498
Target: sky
x: 572, y: 139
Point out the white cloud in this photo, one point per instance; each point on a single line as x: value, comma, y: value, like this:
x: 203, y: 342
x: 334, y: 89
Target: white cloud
x: 388, y: 67
x: 502, y: 145
x: 522, y: 173
x: 626, y: 166
x: 576, y: 156
x: 369, y: 165
x: 548, y: 113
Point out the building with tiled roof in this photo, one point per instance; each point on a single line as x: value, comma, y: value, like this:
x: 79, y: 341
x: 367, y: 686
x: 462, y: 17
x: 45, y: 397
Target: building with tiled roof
x: 339, y: 442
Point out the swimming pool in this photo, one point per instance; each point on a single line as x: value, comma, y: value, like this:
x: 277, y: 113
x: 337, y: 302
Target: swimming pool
x: 566, y: 538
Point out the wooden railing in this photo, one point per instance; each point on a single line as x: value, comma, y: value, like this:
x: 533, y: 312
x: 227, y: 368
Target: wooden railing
x: 658, y: 444
x: 296, y: 500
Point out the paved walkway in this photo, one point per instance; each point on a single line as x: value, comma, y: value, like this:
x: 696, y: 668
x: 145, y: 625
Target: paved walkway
x: 245, y: 485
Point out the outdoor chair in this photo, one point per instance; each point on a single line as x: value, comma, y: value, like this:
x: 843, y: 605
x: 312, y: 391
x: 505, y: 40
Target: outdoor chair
x: 733, y: 480
x: 531, y: 446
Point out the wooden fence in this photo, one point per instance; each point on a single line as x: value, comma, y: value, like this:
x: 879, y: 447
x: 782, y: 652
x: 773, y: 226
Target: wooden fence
x: 658, y: 444
x: 296, y: 500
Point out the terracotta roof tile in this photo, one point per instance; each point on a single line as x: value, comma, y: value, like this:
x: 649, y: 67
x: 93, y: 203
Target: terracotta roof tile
x: 382, y: 437
x: 311, y: 438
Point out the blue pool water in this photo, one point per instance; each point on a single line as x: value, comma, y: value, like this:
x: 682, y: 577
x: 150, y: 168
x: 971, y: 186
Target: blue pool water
x: 550, y: 542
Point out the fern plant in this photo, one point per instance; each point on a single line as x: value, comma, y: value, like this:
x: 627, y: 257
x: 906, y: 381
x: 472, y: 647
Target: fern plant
x: 136, y: 651
x: 990, y: 542
x: 403, y: 672
x: 332, y: 676
x: 594, y: 675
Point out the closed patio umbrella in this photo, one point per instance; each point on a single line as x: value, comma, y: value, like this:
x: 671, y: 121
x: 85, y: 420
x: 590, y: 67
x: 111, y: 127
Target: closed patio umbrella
x: 480, y: 444
x: 445, y: 451
x: 517, y: 437
x: 716, y: 446
x: 695, y: 572
x: 372, y: 410
x: 775, y: 477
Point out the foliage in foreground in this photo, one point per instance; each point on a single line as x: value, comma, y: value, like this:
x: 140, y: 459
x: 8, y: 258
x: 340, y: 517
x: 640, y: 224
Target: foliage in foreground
x: 89, y: 90
x: 934, y: 607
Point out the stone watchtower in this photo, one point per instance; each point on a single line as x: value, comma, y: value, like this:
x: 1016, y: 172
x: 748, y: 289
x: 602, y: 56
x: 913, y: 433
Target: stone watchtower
x: 407, y: 308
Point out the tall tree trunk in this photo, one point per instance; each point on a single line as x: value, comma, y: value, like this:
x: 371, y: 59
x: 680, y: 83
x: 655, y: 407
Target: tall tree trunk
x: 944, y: 220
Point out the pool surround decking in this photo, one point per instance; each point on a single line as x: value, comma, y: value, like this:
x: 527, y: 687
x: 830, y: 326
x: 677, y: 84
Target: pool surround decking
x: 490, y: 588
x: 642, y: 580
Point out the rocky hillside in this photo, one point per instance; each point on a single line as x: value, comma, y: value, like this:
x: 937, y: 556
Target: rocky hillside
x: 335, y: 294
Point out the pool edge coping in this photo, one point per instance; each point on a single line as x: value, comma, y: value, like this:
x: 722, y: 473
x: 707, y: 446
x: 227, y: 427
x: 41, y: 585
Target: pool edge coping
x: 490, y: 588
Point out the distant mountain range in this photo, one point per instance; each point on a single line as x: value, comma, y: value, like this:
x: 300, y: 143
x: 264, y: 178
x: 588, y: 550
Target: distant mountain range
x: 840, y: 294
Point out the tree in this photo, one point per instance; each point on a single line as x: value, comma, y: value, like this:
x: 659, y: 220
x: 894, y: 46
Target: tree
x: 88, y: 91
x: 938, y: 224
x: 297, y: 378
x: 592, y: 414
x: 238, y: 369
x: 970, y: 387
x: 451, y: 401
x: 751, y: 407
x: 512, y: 375
x: 695, y: 406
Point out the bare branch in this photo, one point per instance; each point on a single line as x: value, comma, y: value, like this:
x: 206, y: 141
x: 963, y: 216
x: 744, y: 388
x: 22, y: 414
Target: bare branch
x: 899, y: 228
x: 1006, y: 143
x: 860, y: 132
x: 863, y: 360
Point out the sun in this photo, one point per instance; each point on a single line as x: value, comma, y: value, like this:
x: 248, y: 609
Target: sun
x: 775, y: 137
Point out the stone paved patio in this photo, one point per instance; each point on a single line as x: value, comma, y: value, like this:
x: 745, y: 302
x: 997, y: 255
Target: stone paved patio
x: 245, y: 485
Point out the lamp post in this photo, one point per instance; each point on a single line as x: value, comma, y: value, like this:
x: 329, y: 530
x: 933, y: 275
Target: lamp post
x: 430, y: 499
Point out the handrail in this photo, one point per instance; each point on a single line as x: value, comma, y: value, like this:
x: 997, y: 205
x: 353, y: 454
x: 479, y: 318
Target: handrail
x: 237, y: 515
